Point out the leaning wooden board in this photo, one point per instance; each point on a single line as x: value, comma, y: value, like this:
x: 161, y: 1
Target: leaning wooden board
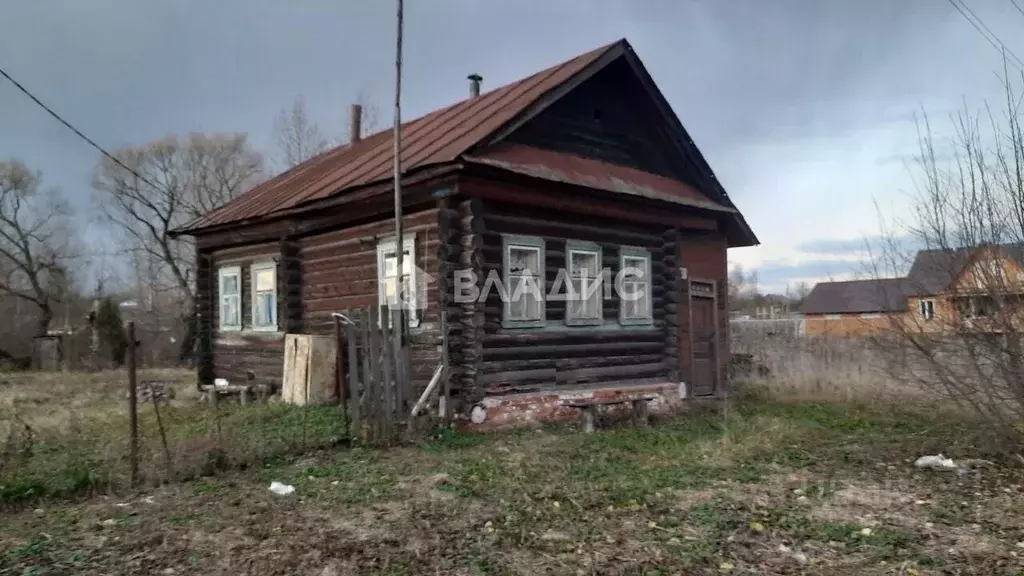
x: 308, y: 370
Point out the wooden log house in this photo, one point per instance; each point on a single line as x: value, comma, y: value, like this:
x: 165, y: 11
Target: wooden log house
x: 580, y: 167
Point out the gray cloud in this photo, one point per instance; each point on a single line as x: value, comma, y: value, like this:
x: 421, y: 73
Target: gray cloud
x: 778, y: 273
x: 765, y: 89
x: 868, y: 245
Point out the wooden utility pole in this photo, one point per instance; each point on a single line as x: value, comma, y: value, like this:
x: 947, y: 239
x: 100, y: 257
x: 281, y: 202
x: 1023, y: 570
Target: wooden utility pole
x: 399, y: 244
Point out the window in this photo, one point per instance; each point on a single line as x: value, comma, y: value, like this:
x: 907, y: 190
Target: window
x: 871, y: 315
x: 523, y: 263
x: 230, y: 290
x: 387, y: 275
x: 927, y: 308
x: 264, y: 296
x: 583, y: 298
x: 634, y: 286
x: 833, y: 316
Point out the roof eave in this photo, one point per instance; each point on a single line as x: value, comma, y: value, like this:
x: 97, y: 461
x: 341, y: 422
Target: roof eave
x: 409, y: 179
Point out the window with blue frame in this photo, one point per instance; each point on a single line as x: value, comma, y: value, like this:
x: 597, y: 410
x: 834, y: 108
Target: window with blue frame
x: 264, y: 296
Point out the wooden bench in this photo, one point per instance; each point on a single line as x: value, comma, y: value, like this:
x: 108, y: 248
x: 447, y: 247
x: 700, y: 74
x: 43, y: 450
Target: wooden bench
x: 245, y: 392
x: 588, y: 408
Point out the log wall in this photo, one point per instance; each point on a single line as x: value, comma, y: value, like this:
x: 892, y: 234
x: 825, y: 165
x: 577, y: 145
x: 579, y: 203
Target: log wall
x: 339, y: 272
x: 246, y: 356
x: 493, y: 360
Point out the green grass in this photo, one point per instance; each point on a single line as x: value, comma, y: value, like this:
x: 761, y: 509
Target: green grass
x: 689, y: 495
x: 92, y: 455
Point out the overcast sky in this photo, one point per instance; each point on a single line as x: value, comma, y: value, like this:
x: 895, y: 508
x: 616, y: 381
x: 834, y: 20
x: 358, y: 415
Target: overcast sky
x: 805, y: 109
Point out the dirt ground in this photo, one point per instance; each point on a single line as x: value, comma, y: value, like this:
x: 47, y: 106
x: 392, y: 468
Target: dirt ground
x: 773, y: 489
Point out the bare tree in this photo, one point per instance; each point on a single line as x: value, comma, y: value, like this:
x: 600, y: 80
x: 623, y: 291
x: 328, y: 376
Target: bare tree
x: 297, y: 136
x: 36, y: 244
x: 798, y: 293
x: 961, y: 338
x: 737, y: 286
x: 173, y: 181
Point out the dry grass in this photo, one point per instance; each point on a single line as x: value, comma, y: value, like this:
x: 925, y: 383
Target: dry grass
x: 827, y: 370
x: 67, y: 433
x: 53, y: 400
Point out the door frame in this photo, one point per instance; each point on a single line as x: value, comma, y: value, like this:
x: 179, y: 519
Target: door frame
x: 716, y: 344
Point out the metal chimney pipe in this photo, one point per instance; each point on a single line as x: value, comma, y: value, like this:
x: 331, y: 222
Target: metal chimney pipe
x: 474, y: 85
x: 356, y: 127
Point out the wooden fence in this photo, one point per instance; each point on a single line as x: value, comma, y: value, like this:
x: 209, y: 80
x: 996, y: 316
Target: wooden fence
x: 374, y: 373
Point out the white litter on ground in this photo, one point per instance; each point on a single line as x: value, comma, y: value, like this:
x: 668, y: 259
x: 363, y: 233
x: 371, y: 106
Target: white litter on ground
x: 935, y: 462
x: 281, y: 489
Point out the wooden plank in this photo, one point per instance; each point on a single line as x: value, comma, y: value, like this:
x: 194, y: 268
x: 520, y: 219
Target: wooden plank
x: 340, y: 357
x: 365, y: 399
x: 289, y: 362
x: 302, y: 362
x: 321, y: 364
x: 402, y: 377
x: 354, y: 386
x: 379, y: 374
x: 387, y: 372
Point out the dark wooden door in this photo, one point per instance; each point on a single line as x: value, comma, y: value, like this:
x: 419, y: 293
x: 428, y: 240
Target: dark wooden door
x: 705, y: 374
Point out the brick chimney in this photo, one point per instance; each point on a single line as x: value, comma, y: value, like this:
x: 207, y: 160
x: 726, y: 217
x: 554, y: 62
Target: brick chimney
x: 474, y: 85
x: 356, y: 127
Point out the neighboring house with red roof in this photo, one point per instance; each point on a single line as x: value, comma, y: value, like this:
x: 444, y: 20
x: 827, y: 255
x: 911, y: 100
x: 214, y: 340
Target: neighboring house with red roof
x: 945, y: 290
x: 583, y: 163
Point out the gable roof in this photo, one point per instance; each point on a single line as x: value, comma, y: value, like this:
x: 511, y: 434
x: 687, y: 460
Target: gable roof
x: 444, y: 136
x: 934, y: 271
x: 592, y: 173
x: 439, y: 137
x: 856, y: 297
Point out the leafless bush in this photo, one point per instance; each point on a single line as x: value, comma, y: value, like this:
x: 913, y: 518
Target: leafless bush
x: 961, y: 338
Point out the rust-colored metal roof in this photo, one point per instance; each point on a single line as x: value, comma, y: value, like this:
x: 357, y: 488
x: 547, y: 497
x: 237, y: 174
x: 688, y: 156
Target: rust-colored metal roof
x: 439, y: 137
x: 572, y: 169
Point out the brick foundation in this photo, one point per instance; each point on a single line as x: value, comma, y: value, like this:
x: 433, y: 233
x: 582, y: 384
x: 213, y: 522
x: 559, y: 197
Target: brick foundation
x: 518, y: 410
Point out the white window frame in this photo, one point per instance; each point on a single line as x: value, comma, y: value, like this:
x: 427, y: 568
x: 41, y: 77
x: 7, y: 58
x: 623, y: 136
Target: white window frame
x: 591, y: 249
x: 222, y: 273
x: 634, y: 252
x: 384, y: 246
x: 253, y: 295
x: 927, y: 309
x: 510, y: 242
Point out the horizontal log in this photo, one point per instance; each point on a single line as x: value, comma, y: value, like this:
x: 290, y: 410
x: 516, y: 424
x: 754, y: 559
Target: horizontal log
x: 571, y: 336
x: 636, y: 371
x: 535, y: 226
x: 540, y: 374
x: 568, y: 350
x: 567, y: 363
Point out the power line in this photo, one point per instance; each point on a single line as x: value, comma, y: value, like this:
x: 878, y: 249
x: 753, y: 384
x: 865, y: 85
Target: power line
x: 992, y: 38
x: 1017, y: 6
x: 78, y: 132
